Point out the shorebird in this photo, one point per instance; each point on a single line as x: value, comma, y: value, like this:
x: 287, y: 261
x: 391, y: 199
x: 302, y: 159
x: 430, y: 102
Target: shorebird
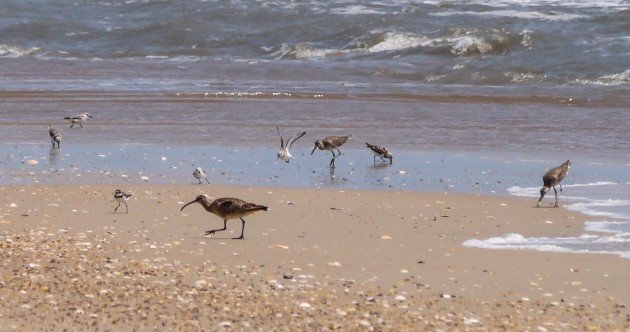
x: 552, y: 178
x: 381, y: 152
x: 55, y: 136
x: 78, y: 119
x: 227, y: 208
x: 331, y: 143
x: 200, y: 174
x: 284, y: 153
x: 121, y: 197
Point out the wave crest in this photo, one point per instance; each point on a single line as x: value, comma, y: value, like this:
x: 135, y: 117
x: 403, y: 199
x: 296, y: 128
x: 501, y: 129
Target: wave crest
x: 7, y: 51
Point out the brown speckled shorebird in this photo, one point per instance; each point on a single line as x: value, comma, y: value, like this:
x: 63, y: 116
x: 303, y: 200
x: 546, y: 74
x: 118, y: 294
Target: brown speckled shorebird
x: 331, y: 143
x: 227, y: 208
x: 552, y: 178
x: 381, y: 152
x: 55, y: 136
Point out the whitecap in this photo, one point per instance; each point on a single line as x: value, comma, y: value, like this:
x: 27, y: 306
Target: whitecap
x: 529, y: 15
x: 16, y: 52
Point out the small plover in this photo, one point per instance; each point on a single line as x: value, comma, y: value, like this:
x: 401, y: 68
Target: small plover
x: 552, y: 178
x: 331, y: 143
x: 227, y: 208
x: 55, y: 136
x: 121, y: 197
x: 284, y: 152
x: 381, y: 152
x: 200, y: 174
x: 78, y: 119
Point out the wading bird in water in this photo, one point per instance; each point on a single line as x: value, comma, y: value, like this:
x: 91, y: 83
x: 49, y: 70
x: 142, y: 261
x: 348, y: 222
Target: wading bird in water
x: 331, y: 143
x: 55, y: 136
x: 552, y: 178
x: 381, y: 152
x: 284, y: 153
x: 78, y: 119
x: 227, y: 208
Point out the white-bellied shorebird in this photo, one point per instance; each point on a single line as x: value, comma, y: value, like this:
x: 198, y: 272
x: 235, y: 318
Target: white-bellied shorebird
x: 331, y: 143
x: 552, y: 178
x: 200, y: 174
x: 284, y: 152
x: 55, y: 136
x: 381, y: 152
x: 121, y: 197
x: 78, y: 119
x: 227, y: 208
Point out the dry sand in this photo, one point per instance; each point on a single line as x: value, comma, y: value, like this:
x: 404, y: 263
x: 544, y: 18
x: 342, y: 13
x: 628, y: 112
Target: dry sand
x: 319, y: 259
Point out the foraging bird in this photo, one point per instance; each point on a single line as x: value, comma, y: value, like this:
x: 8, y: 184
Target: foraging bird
x: 381, y: 152
x: 200, y: 174
x: 227, y: 208
x: 552, y: 178
x: 284, y: 153
x: 55, y: 136
x: 330, y: 143
x: 78, y: 119
x: 121, y: 197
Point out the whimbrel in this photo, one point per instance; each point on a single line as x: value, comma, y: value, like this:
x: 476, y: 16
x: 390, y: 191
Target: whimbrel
x: 200, y: 174
x: 284, y: 153
x: 331, y: 143
x: 55, y: 136
x: 381, y: 152
x: 552, y: 178
x: 227, y: 208
x: 78, y: 119
x: 121, y: 197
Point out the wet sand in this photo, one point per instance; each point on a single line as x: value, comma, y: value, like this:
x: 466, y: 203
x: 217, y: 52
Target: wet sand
x: 319, y: 259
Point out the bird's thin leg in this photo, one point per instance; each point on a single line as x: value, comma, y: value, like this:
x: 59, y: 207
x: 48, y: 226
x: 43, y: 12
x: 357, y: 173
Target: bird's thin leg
x: 116, y: 208
x: 560, y: 188
x: 207, y: 181
x: 338, y: 152
x: 212, y: 231
x: 72, y: 124
x: 555, y: 192
x: 333, y: 153
x: 542, y: 194
x: 242, y: 231
x: 199, y: 181
x: 374, y: 159
x: 80, y: 124
x: 126, y: 207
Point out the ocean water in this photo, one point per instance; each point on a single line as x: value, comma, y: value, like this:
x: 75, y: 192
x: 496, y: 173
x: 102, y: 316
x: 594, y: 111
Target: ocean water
x: 474, y: 96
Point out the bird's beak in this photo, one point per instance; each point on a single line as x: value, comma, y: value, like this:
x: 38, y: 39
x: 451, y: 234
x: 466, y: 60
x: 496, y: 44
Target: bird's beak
x: 182, y: 209
x: 287, y: 161
x: 315, y: 147
x: 89, y: 116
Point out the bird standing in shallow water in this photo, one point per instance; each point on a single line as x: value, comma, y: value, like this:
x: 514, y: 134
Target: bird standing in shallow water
x: 284, y: 153
x: 227, y: 208
x: 55, y: 136
x: 121, y: 197
x: 78, y: 119
x: 381, y: 152
x: 200, y: 174
x: 552, y: 178
x: 330, y: 143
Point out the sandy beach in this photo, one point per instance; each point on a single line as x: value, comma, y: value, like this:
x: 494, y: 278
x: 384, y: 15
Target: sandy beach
x: 319, y: 259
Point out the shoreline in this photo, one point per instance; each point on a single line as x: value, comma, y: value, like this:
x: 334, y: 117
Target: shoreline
x: 356, y: 258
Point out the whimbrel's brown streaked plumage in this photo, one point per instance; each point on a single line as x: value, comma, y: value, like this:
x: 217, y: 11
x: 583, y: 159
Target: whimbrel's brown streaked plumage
x: 55, y: 136
x: 552, y: 178
x: 227, y: 208
x: 381, y: 152
x: 331, y: 143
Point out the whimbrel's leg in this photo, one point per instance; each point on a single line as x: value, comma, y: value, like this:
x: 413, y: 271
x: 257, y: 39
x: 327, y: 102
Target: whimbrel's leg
x: 116, y: 208
x: 555, y: 192
x: 242, y: 231
x: 212, y: 231
x: 374, y: 159
x: 338, y: 152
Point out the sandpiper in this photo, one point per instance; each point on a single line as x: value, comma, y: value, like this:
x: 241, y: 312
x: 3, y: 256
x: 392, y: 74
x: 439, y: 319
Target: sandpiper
x: 381, y: 152
x: 284, y: 153
x: 121, y: 197
x: 200, y: 174
x: 552, y: 178
x: 227, y: 208
x: 55, y: 136
x: 331, y: 143
x: 78, y: 119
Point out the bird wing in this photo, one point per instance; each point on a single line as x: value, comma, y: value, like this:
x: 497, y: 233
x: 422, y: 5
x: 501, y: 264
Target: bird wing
x: 376, y: 148
x: 295, y: 138
x: 281, y: 139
